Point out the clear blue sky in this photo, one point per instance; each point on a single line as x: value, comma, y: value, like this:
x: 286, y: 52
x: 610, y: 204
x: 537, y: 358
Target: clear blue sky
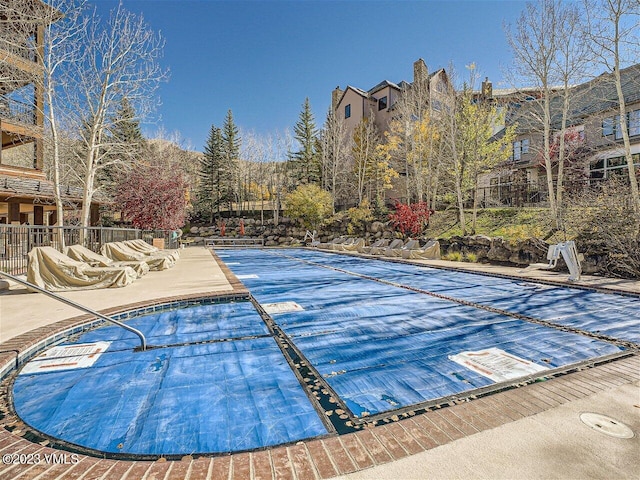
x: 262, y: 58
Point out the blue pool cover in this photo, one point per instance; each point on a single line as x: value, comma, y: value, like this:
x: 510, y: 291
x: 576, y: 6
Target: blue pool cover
x: 222, y: 384
x: 215, y: 397
x: 381, y: 347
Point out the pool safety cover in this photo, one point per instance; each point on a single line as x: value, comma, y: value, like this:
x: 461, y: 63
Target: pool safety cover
x: 614, y: 315
x: 381, y: 346
x: 197, y: 397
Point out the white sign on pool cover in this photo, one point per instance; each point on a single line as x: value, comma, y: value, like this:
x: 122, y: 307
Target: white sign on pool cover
x: 282, y: 307
x: 66, y: 357
x: 497, y: 364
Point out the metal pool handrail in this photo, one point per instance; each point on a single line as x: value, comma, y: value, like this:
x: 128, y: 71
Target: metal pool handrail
x: 143, y: 341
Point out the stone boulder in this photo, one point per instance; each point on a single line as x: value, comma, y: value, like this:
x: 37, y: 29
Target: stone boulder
x: 376, y: 227
x: 500, y: 251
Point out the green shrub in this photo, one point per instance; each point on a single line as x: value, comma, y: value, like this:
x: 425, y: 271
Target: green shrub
x: 471, y: 257
x: 358, y: 216
x: 310, y: 204
x: 453, y: 257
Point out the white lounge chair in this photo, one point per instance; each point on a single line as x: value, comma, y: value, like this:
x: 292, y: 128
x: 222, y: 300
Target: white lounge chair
x: 352, y: 246
x: 431, y: 251
x: 397, y: 243
x: 55, y: 271
x: 332, y: 243
x: 120, y: 252
x: 141, y: 246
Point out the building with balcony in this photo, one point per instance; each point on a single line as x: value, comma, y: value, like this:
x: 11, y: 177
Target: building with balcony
x: 593, y: 140
x: 26, y: 196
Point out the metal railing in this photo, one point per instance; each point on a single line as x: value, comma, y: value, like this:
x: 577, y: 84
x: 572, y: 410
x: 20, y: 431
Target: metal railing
x: 17, y: 46
x: 527, y: 193
x: 16, y: 241
x: 233, y: 242
x: 17, y: 111
x: 143, y: 340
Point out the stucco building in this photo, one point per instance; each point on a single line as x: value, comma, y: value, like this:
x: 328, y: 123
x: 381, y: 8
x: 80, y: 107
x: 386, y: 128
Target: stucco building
x: 377, y: 103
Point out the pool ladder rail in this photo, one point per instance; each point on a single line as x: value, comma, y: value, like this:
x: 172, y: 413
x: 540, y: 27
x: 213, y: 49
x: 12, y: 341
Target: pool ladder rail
x: 143, y: 341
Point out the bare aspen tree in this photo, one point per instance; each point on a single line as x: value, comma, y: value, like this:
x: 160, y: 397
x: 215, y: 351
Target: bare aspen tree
x: 119, y: 60
x: 363, y: 152
x: 534, y: 43
x: 59, y: 24
x: 571, y: 65
x: 335, y: 151
x: 279, y: 179
x: 614, y: 35
x: 64, y: 26
x: 264, y: 171
x: 410, y: 140
x: 257, y: 167
x: 451, y: 133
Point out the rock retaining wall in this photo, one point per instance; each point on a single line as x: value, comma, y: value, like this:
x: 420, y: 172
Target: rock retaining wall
x: 486, y: 249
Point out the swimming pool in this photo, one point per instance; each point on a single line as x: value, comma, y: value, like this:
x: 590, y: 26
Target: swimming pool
x: 329, y: 342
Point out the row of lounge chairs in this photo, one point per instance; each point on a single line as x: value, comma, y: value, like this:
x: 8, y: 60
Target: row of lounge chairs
x: 410, y: 249
x: 117, y: 265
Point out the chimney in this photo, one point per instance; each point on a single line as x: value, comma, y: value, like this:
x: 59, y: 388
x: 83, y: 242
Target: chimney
x: 335, y: 97
x: 420, y: 72
x: 487, y: 89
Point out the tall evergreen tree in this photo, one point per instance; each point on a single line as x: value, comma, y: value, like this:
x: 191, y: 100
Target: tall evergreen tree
x: 305, y: 164
x: 125, y: 144
x: 211, y: 166
x: 126, y: 126
x: 231, y: 148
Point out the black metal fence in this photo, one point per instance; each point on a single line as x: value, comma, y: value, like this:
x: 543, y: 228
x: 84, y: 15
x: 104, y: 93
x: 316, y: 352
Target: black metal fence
x: 16, y: 241
x: 529, y: 193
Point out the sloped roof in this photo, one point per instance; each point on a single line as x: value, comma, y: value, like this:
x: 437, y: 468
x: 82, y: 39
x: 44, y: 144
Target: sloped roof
x: 589, y: 98
x: 21, y: 187
x: 403, y: 85
x: 381, y: 85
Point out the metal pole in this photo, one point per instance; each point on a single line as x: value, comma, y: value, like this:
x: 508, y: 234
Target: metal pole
x: 143, y: 341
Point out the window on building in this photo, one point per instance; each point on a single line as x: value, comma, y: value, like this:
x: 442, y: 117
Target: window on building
x: 607, y: 127
x: 634, y: 123
x: 612, y: 167
x: 520, y: 147
x: 612, y: 125
x: 347, y: 111
x: 517, y: 151
x: 382, y: 103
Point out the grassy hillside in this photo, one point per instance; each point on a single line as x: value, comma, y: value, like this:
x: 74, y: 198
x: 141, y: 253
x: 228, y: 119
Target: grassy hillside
x: 509, y: 223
